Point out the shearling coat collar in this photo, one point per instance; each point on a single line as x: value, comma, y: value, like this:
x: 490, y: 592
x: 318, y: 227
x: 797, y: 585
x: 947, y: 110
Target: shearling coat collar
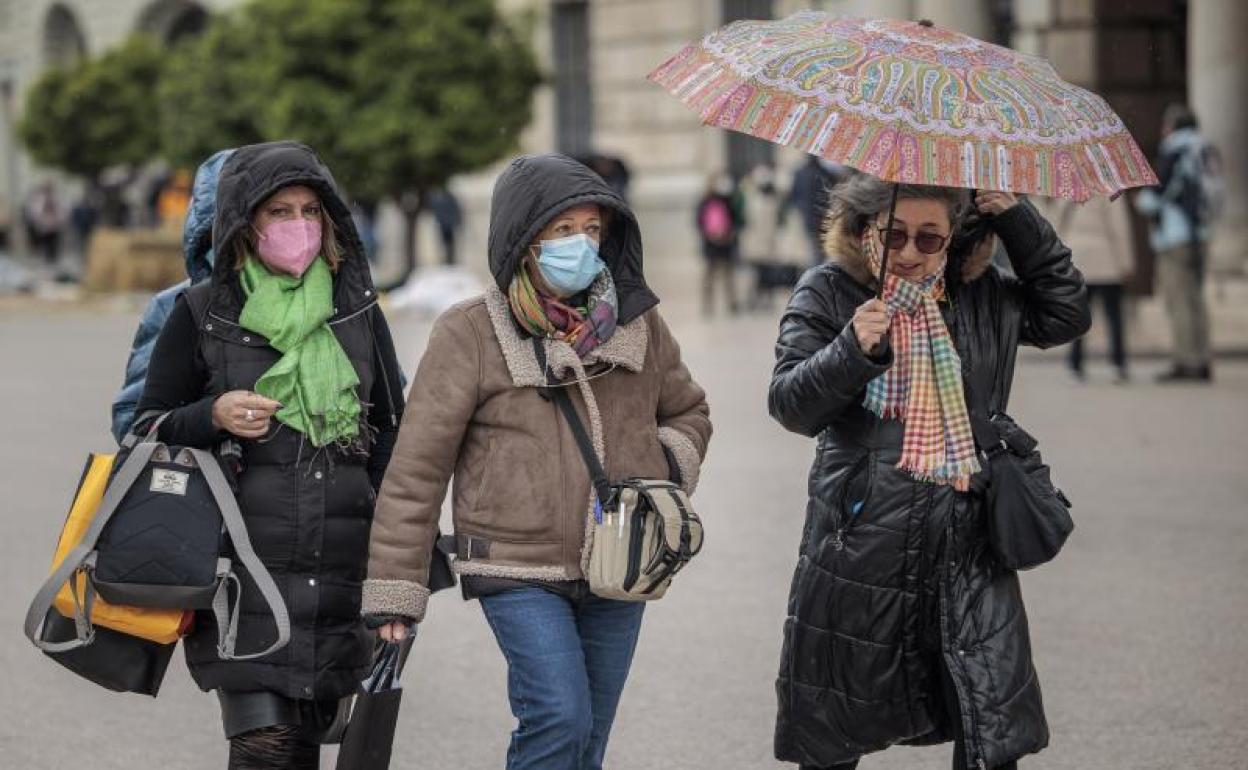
x: 626, y: 348
x: 844, y: 249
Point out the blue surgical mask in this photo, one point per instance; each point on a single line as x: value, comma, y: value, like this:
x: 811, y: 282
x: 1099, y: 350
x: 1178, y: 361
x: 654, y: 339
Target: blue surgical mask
x: 570, y: 264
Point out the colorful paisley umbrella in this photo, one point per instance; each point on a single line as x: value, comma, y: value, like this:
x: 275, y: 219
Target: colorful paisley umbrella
x: 908, y: 102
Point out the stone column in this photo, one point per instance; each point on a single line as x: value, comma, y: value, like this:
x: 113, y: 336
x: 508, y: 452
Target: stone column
x: 1218, y: 88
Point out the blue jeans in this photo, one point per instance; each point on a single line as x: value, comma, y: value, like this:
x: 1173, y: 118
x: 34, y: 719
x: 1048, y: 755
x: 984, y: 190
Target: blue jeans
x: 567, y: 661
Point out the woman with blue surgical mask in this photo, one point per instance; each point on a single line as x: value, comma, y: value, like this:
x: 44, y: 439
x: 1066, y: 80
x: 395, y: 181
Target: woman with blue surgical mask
x: 570, y: 309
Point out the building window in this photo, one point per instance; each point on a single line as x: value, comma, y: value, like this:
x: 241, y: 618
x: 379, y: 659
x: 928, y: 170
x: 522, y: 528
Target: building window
x: 745, y: 152
x: 574, y: 108
x: 63, y: 43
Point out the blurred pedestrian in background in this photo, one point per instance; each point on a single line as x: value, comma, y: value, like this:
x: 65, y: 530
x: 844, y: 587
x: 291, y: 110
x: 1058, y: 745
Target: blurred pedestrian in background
x: 613, y: 170
x: 720, y: 219
x: 174, y: 199
x: 1181, y: 209
x: 84, y: 216
x: 1099, y: 235
x: 285, y: 352
x: 44, y: 218
x: 449, y: 216
x: 809, y: 195
x: 570, y: 308
x: 903, y: 626
x: 762, y: 202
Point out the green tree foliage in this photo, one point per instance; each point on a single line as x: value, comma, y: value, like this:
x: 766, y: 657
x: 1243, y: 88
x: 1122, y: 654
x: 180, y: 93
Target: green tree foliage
x: 207, y: 97
x: 97, y: 113
x: 397, y: 96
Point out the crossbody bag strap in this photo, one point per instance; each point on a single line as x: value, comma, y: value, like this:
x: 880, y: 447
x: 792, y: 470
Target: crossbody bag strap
x: 80, y: 555
x: 227, y: 620
x: 560, y: 396
x: 385, y: 376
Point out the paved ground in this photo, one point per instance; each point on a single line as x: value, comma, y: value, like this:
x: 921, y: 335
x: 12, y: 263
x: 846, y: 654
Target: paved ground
x: 1141, y: 628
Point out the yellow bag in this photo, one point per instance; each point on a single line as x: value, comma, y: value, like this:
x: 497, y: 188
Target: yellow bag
x: 157, y: 625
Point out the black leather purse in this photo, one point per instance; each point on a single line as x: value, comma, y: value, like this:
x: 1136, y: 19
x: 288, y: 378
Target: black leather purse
x: 1028, y: 517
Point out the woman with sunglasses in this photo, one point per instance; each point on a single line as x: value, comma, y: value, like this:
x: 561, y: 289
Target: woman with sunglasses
x: 902, y: 628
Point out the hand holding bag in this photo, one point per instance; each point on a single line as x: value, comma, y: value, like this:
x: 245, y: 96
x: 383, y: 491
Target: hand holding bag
x: 369, y: 736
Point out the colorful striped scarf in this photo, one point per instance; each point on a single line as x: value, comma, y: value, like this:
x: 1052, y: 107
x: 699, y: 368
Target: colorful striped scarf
x: 923, y: 388
x: 584, y: 327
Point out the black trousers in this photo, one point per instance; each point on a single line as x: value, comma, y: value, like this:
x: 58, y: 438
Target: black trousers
x: 1110, y: 295
x: 960, y: 760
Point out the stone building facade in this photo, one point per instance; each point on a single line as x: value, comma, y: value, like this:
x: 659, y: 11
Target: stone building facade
x: 1140, y: 54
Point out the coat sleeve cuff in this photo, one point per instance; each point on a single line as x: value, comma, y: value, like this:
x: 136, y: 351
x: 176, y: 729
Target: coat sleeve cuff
x: 394, y: 597
x: 682, y: 450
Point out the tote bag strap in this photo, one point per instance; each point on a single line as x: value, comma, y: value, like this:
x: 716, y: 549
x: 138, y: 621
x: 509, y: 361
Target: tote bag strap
x: 227, y: 618
x: 80, y: 557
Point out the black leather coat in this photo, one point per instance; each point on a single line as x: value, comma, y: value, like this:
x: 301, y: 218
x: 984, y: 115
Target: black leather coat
x: 882, y: 599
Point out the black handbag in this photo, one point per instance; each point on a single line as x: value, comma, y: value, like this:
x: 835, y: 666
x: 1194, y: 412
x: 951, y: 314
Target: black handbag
x: 1028, y: 517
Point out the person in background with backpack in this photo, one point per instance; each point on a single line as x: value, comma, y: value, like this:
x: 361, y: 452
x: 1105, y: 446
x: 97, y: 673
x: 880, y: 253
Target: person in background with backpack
x: 1182, y: 208
x: 720, y: 218
x: 197, y: 251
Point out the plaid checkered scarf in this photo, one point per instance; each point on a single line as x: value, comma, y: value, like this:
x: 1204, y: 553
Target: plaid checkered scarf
x: 923, y: 388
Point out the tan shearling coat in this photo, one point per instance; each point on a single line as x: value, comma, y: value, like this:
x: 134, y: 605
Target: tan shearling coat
x: 522, y: 499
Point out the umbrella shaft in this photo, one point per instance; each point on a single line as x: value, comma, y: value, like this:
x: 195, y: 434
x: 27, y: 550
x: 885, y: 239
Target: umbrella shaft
x: 892, y: 212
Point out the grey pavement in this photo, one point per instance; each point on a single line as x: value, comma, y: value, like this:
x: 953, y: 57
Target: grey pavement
x: 1140, y: 628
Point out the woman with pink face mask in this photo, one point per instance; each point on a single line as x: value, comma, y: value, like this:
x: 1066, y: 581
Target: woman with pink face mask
x: 284, y: 363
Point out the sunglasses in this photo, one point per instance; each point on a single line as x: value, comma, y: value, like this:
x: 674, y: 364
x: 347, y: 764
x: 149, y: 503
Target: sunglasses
x: 926, y: 242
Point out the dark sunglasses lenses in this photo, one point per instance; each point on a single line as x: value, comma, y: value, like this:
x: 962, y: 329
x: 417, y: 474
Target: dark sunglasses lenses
x: 896, y: 240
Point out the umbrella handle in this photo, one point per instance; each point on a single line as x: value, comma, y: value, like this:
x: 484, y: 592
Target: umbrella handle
x: 892, y: 212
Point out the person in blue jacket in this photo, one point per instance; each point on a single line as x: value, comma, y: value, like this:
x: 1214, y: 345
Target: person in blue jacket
x: 197, y: 250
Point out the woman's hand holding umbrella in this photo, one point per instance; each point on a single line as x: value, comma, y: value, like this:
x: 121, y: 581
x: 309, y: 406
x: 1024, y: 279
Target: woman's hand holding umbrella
x: 994, y: 203
x: 871, y: 325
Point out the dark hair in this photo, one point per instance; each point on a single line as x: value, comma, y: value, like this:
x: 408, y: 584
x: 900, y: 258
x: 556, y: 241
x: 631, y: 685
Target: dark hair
x: 860, y: 198
x: 1178, y: 116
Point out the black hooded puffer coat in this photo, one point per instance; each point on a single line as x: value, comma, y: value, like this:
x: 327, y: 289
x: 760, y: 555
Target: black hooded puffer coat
x: 882, y: 599
x: 308, y: 511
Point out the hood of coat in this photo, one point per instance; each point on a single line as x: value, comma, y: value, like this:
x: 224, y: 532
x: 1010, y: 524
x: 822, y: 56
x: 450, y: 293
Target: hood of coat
x: 532, y: 191
x: 844, y: 249
x: 252, y: 174
x: 197, y: 232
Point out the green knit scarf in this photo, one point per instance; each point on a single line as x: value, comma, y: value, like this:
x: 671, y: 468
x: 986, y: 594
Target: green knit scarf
x: 314, y: 381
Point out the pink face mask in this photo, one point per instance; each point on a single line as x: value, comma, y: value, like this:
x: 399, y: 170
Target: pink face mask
x: 290, y: 246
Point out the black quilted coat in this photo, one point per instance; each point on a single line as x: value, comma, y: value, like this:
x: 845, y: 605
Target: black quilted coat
x: 882, y: 599
x: 308, y: 511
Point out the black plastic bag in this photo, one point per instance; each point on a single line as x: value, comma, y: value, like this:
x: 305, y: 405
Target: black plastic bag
x: 369, y: 736
x: 113, y: 660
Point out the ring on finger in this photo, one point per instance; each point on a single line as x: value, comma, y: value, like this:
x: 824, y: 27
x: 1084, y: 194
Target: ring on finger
x: 249, y: 415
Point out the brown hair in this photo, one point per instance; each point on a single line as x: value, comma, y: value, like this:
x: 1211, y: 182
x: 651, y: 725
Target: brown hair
x: 241, y: 244
x: 858, y: 200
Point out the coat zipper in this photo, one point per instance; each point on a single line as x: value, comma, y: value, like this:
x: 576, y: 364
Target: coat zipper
x: 867, y: 465
x: 971, y: 739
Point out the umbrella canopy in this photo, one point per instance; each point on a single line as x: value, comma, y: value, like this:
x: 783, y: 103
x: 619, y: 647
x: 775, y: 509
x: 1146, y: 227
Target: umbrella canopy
x: 908, y: 102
